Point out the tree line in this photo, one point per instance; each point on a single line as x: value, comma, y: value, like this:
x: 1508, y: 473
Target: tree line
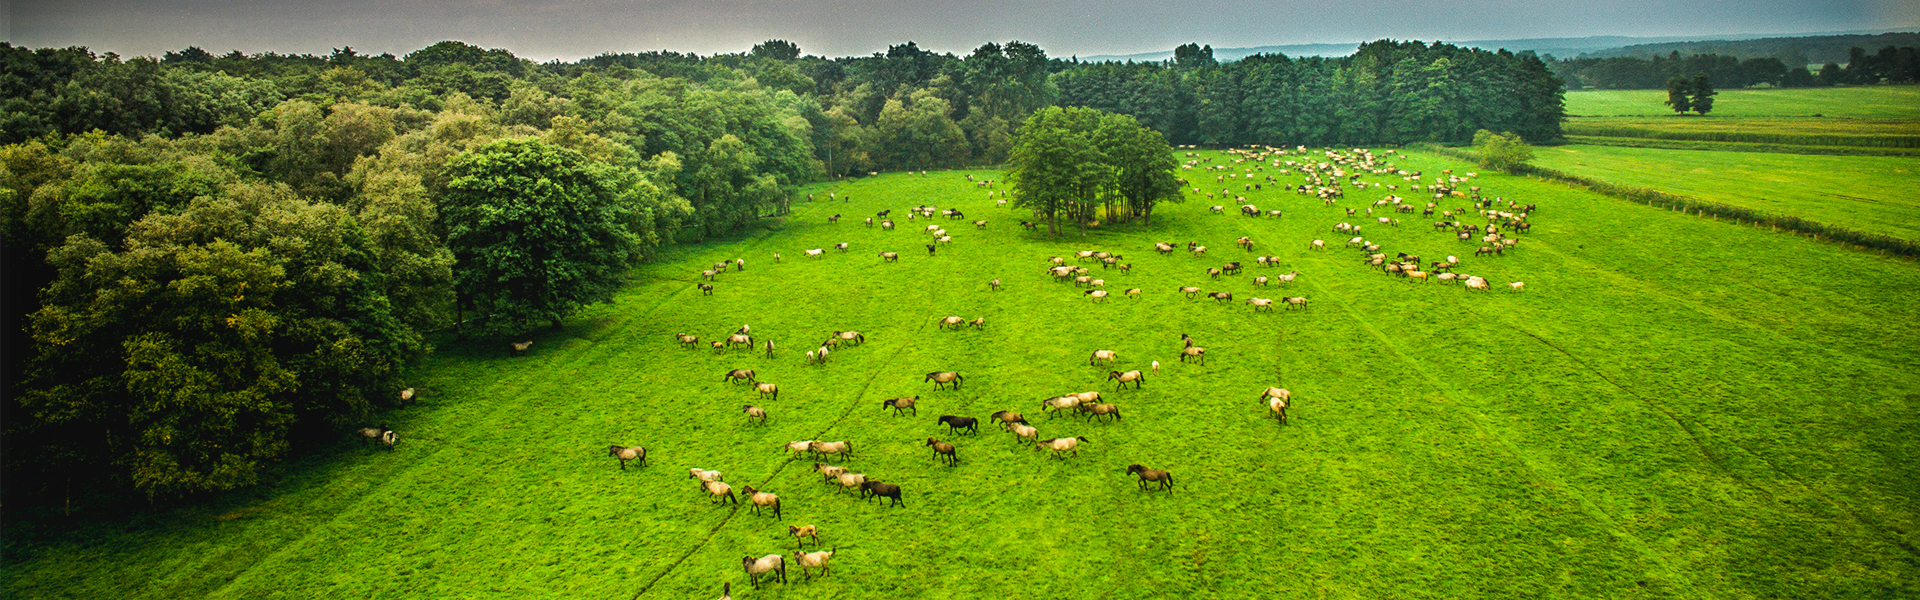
x: 209, y: 257
x: 1889, y: 65
x: 1386, y: 92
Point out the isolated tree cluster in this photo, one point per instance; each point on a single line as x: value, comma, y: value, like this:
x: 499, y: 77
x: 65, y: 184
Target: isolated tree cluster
x: 1071, y: 162
x: 1691, y: 94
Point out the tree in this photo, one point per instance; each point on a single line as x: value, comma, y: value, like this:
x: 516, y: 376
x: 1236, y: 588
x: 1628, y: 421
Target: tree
x: 1832, y: 73
x: 1801, y: 77
x: 1703, y: 94
x: 915, y: 131
x: 1678, y: 90
x: 1501, y: 151
x: 184, y: 359
x: 1072, y: 160
x: 536, y: 232
x: 1143, y: 164
x: 1055, y: 167
x: 776, y: 50
x: 1194, y: 56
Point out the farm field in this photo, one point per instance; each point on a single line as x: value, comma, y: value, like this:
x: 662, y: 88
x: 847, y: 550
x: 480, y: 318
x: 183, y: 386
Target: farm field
x: 1739, y: 146
x: 1863, y: 102
x: 1868, y: 133
x: 1867, y: 193
x: 1883, y: 118
x: 1675, y: 408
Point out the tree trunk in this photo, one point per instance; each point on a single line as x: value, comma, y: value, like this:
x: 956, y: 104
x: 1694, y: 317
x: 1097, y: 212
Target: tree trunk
x: 459, y: 320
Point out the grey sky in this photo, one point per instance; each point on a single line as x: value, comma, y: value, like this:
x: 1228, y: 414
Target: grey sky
x: 550, y: 29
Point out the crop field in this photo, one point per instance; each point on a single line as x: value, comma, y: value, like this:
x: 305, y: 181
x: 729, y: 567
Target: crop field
x: 1674, y: 408
x: 1861, y: 102
x: 1867, y: 193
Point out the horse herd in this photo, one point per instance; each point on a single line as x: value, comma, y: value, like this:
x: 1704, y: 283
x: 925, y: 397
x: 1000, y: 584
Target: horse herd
x: 827, y: 456
x: 1087, y: 405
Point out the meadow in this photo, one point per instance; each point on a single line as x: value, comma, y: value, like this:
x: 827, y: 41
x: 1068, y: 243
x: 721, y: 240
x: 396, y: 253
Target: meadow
x: 1675, y: 408
x: 1852, y: 102
x: 1876, y: 133
x: 1868, y: 120
x: 1867, y: 193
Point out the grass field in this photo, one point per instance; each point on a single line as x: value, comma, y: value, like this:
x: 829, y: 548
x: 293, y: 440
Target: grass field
x: 1676, y: 408
x: 1868, y: 102
x: 1868, y: 193
x: 1740, y: 146
x: 1831, y: 119
x: 1876, y: 133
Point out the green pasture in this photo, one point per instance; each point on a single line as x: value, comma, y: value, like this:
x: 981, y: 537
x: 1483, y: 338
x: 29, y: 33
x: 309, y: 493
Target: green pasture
x: 1675, y: 408
x: 1869, y: 193
x: 1867, y: 133
x: 1862, y: 102
x: 1740, y: 146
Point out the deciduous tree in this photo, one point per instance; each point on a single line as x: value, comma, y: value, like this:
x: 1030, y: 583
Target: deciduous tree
x: 536, y: 232
x: 1501, y: 151
x: 182, y: 360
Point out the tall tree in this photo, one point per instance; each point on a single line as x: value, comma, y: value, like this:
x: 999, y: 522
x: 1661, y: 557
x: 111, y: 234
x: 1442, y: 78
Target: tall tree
x: 1142, y: 162
x: 1072, y: 160
x: 1679, y: 95
x: 915, y: 131
x: 1055, y: 166
x: 1702, y: 91
x: 536, y: 232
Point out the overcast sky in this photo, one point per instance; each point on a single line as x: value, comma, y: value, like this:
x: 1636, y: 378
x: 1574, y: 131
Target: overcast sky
x: 572, y: 29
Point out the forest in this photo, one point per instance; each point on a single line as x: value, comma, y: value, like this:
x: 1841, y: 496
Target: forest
x: 211, y: 258
x: 1888, y: 65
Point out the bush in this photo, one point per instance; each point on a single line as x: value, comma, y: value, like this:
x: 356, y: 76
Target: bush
x: 1501, y: 151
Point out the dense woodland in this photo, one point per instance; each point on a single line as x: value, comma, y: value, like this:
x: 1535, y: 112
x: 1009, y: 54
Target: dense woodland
x: 1889, y: 65
x: 213, y: 258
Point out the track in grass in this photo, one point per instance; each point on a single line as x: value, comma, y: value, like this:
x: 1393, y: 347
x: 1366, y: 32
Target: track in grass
x: 1675, y: 408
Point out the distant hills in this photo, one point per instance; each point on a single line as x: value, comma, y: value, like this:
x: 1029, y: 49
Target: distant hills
x: 1817, y: 47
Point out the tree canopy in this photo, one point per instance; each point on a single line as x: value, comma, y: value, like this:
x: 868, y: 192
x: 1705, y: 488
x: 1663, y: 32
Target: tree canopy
x: 536, y: 231
x: 183, y: 355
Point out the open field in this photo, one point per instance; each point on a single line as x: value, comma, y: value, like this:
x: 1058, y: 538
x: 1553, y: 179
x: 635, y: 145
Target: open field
x: 1676, y: 408
x: 1739, y: 146
x: 1866, y: 102
x: 1831, y: 119
x: 1868, y: 193
x: 1874, y: 133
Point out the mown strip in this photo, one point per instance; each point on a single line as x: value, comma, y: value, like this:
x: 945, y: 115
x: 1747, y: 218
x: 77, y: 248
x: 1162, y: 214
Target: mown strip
x: 1690, y: 132
x: 1717, y: 210
x: 1664, y: 144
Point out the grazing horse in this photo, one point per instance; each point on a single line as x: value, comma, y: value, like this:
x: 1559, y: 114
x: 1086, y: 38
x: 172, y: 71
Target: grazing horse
x: 771, y: 563
x: 1163, y: 478
x: 941, y: 378
x: 627, y: 453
